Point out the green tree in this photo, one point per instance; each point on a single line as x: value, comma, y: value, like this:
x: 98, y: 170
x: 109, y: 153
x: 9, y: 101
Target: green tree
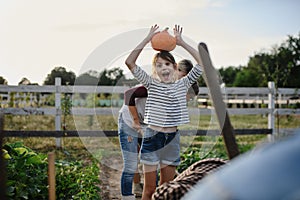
x: 3, y: 81
x: 24, y: 81
x: 288, y: 63
x: 201, y: 82
x: 281, y: 65
x: 115, y: 75
x: 262, y: 64
x: 67, y: 78
x: 246, y: 78
x: 110, y: 77
x: 104, y: 79
x: 229, y: 74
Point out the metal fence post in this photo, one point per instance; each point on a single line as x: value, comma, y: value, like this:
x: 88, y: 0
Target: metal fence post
x: 58, y: 109
x: 271, y: 107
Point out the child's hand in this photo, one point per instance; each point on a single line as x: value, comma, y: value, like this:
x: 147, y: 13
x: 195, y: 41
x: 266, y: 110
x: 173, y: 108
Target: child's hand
x: 152, y: 32
x: 136, y: 125
x: 177, y: 33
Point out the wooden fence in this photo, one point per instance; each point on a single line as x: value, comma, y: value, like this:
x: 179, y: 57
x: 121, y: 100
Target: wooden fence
x: 25, y: 100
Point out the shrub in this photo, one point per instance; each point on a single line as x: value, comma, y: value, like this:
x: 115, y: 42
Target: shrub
x: 27, y: 176
x: 193, y: 154
x: 76, y: 181
x: 26, y: 172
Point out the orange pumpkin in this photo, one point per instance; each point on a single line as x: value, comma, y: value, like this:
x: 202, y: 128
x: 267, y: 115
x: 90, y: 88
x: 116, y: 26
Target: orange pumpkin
x: 163, y: 41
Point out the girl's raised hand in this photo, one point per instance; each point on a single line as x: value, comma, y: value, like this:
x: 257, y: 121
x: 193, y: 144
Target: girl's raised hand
x: 152, y: 32
x: 177, y: 33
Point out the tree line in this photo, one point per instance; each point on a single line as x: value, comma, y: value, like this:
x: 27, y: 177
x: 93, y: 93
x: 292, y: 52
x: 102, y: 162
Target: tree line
x: 281, y: 64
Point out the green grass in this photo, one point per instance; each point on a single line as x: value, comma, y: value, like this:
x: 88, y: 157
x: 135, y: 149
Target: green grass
x: 37, y: 122
x: 90, y: 148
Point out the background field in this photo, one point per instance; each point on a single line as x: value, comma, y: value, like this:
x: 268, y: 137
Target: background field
x: 106, y: 151
x: 76, y: 146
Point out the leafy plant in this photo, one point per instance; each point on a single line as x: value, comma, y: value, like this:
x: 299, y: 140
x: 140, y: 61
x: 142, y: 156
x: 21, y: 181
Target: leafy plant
x: 26, y: 172
x: 193, y: 154
x: 66, y: 106
x: 27, y: 175
x: 76, y: 181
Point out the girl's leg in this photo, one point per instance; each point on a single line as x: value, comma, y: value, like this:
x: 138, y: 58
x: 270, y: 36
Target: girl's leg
x: 137, y: 177
x: 170, y: 157
x: 167, y: 173
x: 150, y: 174
x: 137, y: 185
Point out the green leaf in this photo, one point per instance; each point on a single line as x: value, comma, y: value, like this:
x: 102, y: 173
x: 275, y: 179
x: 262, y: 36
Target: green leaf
x: 21, y: 151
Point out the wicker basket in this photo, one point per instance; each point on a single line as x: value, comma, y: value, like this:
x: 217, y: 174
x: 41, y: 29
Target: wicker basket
x: 187, y: 179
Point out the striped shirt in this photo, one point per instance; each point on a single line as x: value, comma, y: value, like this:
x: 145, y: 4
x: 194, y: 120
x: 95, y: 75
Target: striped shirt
x: 166, y: 105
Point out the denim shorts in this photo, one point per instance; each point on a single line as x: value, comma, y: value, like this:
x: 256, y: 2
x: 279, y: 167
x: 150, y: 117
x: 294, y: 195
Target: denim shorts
x: 159, y: 147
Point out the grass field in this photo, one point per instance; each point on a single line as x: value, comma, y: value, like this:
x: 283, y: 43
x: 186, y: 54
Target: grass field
x: 38, y: 122
x: 78, y: 147
x: 106, y: 150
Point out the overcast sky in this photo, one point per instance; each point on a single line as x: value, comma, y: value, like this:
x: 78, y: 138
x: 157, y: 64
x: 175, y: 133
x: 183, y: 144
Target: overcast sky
x: 36, y: 36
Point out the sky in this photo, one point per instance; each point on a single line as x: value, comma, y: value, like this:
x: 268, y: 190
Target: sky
x: 37, y: 36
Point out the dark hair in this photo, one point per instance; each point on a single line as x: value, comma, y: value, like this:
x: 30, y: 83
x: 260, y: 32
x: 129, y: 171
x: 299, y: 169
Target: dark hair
x: 164, y: 55
x: 185, y: 65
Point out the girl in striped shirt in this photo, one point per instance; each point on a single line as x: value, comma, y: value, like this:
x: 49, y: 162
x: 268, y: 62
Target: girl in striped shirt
x: 166, y: 108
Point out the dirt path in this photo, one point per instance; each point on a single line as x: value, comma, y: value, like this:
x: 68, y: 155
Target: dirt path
x: 110, y: 175
x: 110, y: 180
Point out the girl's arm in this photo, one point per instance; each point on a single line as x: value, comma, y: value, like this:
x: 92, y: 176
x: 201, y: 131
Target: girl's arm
x: 180, y: 42
x: 131, y: 59
x: 135, y: 116
x: 132, y: 93
x: 129, y: 96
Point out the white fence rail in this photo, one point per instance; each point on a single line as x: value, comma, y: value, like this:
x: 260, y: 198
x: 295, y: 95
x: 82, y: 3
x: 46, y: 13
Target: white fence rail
x: 240, y: 101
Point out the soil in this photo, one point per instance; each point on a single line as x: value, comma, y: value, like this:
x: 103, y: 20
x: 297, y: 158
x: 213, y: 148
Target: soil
x: 110, y: 180
x: 110, y: 174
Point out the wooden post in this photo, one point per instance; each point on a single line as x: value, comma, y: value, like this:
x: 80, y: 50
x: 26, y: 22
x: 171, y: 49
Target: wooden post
x: 2, y: 164
x: 58, y: 109
x: 212, y: 82
x: 51, y: 175
x: 271, y: 107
